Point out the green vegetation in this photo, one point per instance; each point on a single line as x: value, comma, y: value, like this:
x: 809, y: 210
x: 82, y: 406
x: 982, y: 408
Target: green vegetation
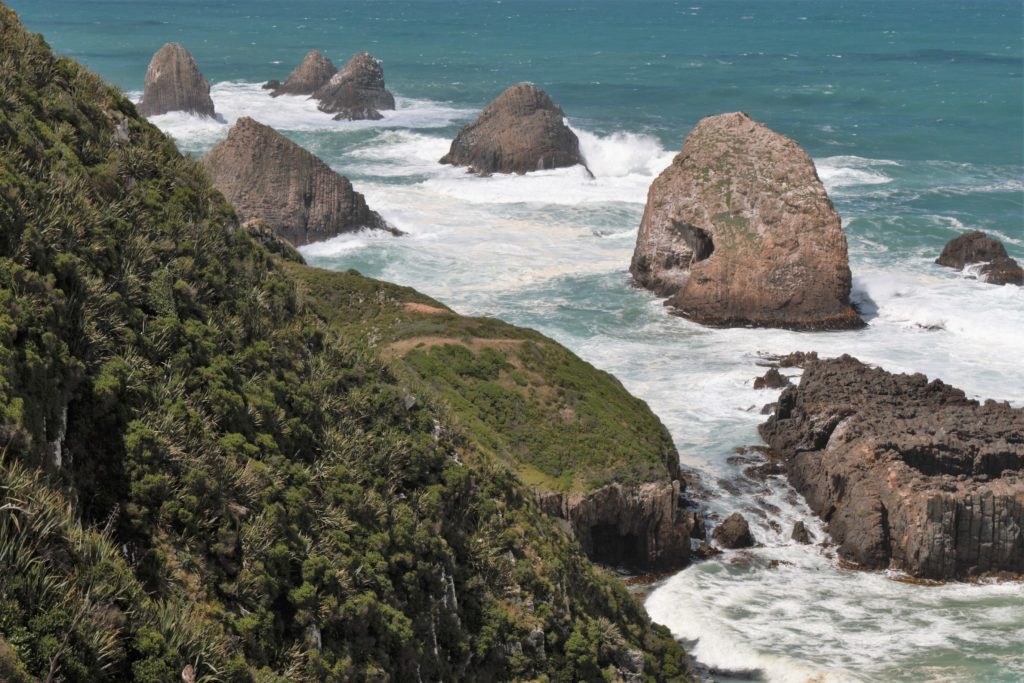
x: 208, y: 475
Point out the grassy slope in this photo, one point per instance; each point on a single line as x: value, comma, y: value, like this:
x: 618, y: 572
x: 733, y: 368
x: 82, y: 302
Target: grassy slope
x: 202, y: 479
x: 560, y: 423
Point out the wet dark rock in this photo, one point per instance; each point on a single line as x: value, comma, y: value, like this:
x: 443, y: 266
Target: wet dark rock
x: 977, y: 247
x: 801, y: 534
x: 773, y: 379
x: 272, y: 84
x: 908, y: 473
x: 733, y: 532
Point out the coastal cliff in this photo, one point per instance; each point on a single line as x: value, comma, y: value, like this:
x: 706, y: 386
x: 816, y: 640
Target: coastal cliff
x: 909, y: 474
x: 207, y: 476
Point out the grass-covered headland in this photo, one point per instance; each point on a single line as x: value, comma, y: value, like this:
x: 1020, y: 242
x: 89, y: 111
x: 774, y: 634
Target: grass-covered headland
x: 220, y: 465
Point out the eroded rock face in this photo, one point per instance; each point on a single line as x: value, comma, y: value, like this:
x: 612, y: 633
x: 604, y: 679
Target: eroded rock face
x: 522, y: 130
x: 733, y: 532
x: 268, y: 177
x: 641, y: 527
x: 908, y: 473
x: 173, y: 83
x: 739, y: 231
x: 977, y: 247
x: 312, y: 74
x: 357, y: 91
x: 773, y: 379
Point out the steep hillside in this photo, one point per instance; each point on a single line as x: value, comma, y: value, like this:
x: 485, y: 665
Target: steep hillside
x: 204, y: 477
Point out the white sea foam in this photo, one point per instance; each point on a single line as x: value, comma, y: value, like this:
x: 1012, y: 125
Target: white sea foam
x: 840, y: 172
x: 233, y: 100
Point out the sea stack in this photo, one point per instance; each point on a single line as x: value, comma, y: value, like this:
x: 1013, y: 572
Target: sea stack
x: 977, y: 247
x: 312, y: 74
x: 908, y: 474
x: 268, y: 177
x: 173, y: 83
x: 522, y: 130
x: 357, y: 91
x: 739, y: 231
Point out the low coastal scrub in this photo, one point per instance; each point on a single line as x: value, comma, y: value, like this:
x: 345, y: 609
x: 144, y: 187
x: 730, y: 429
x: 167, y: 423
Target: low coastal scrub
x: 213, y: 469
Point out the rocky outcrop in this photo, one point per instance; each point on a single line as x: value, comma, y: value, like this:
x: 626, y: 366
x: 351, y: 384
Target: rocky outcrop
x: 313, y: 73
x: 977, y: 247
x: 357, y: 91
x: 268, y: 177
x: 773, y: 379
x: 733, y: 533
x: 522, y: 130
x: 908, y: 473
x: 800, y: 534
x: 173, y: 83
x: 640, y: 527
x: 739, y: 231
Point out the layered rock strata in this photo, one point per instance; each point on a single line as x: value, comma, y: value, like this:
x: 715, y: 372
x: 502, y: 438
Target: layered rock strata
x: 977, y: 247
x: 173, y: 83
x: 639, y: 527
x: 268, y: 177
x: 739, y: 231
x: 909, y: 474
x: 315, y: 71
x: 522, y: 130
x: 356, y: 91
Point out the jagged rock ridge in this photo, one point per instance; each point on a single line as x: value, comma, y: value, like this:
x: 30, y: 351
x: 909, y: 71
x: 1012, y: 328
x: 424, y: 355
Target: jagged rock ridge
x: 173, y: 83
x: 739, y: 231
x: 522, y: 130
x: 908, y: 473
x: 267, y: 176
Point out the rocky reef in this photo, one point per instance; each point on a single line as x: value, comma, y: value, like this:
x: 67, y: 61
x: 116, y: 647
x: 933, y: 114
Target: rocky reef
x: 356, y: 91
x: 977, y: 247
x: 522, y: 130
x: 267, y: 176
x: 173, y: 83
x: 313, y: 73
x: 909, y: 474
x: 738, y: 231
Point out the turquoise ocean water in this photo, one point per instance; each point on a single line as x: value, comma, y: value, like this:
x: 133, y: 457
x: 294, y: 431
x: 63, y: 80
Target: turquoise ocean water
x: 914, y: 114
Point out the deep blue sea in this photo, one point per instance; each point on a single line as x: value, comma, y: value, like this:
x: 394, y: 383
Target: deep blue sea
x: 914, y: 114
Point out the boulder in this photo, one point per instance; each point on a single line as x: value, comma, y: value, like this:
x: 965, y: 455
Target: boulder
x: 268, y: 177
x: 173, y: 83
x: 357, y: 91
x: 908, y: 474
x: 733, y: 533
x: 637, y: 527
x: 738, y: 231
x: 773, y: 379
x: 313, y: 73
x: 272, y: 84
x: 800, y: 534
x: 522, y: 130
x: 977, y: 247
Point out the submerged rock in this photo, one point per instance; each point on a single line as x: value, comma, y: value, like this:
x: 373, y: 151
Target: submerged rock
x: 522, y: 130
x: 173, y: 83
x: 313, y: 73
x: 357, y: 91
x: 977, y: 247
x: 266, y: 176
x: 733, y: 533
x: 908, y: 473
x: 739, y: 231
